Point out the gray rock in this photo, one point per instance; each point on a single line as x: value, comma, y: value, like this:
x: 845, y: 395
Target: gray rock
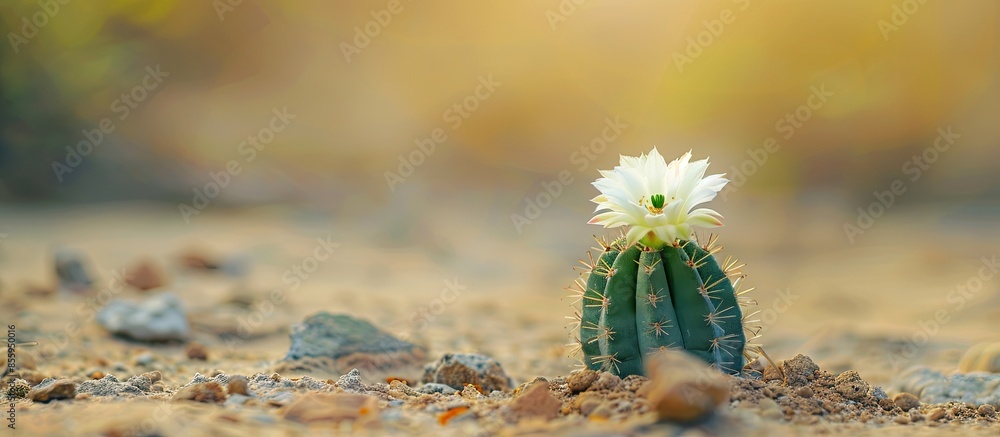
x: 72, y: 270
x: 433, y: 387
x: 350, y: 342
x: 110, y: 386
x: 160, y: 318
x: 351, y: 381
x: 934, y: 387
x: 457, y: 370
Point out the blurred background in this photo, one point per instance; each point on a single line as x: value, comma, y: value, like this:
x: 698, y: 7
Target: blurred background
x: 446, y: 139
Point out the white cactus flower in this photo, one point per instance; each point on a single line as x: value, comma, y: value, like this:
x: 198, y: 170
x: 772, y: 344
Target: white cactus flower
x: 656, y: 199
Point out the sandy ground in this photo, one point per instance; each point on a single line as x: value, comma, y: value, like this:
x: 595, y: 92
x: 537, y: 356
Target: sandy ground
x: 860, y: 306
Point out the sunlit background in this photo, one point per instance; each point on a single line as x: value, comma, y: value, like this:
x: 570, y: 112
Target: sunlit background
x: 518, y: 94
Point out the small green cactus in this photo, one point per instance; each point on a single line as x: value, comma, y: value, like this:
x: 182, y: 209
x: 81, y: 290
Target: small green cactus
x: 637, y: 300
x: 656, y: 287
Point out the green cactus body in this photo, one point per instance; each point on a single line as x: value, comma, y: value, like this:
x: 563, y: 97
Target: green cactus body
x: 639, y: 300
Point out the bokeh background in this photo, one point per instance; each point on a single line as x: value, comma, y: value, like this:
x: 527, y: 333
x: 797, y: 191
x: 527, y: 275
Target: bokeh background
x: 898, y: 71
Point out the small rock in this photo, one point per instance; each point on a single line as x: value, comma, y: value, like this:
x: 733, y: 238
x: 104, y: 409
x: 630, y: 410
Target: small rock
x: 207, y: 392
x: 581, y: 380
x: 906, y: 401
x: 53, y: 389
x: 987, y: 410
x: 850, y: 385
x: 878, y: 393
x: 433, y: 387
x: 146, y: 275
x: 589, y: 405
x: 457, y: 370
x: 197, y: 259
x: 196, y: 351
x: 111, y: 386
x: 143, y: 359
x: 936, y: 414
x: 799, y: 370
x: 682, y: 388
x: 72, y: 270
x: 351, y: 343
x: 902, y: 419
x: 333, y: 407
x: 606, y: 381
x: 351, y: 381
x: 238, y: 384
x: 153, y: 375
x: 536, y: 401
x: 804, y: 391
x: 160, y: 318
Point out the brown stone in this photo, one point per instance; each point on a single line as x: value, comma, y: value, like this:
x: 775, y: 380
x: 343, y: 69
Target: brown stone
x: 207, y: 392
x: 238, y: 384
x: 850, y: 385
x: 146, y: 275
x: 799, y: 370
x: 536, y: 401
x: 58, y: 389
x: 987, y: 410
x: 581, y: 380
x: 196, y: 351
x: 936, y: 414
x: 682, y: 388
x: 906, y: 401
x: 333, y: 407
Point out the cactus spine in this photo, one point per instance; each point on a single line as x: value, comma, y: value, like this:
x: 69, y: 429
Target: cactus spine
x: 637, y: 300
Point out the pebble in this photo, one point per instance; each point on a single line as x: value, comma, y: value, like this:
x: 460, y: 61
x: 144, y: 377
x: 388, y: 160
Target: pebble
x: 53, y: 389
x: 987, y: 410
x: 682, y: 388
x: 206, y: 392
x: 982, y: 357
x: 458, y: 370
x: 902, y: 419
x: 936, y: 414
x: 351, y: 381
x: 72, y: 270
x: 238, y: 384
x: 333, y: 407
x: 581, y: 380
x: 906, y: 401
x: 535, y: 401
x: 157, y: 319
x: 196, y: 351
x: 146, y: 275
x: 769, y: 409
x: 433, y: 387
x: 359, y: 343
x: 799, y: 370
x: 850, y: 385
x: 606, y: 381
x: 804, y: 391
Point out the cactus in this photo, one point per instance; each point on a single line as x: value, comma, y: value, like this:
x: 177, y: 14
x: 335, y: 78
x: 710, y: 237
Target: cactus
x: 638, y: 300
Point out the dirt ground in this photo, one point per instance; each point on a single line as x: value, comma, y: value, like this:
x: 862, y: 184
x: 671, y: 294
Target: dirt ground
x: 873, y: 306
